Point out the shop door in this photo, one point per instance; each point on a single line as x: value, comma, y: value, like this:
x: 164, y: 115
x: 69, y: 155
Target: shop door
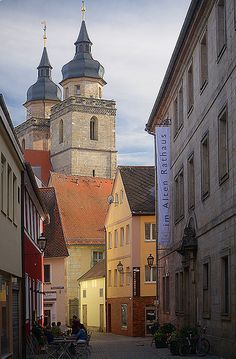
x: 109, y: 318
x: 150, y: 318
x: 47, y: 317
x: 101, y: 329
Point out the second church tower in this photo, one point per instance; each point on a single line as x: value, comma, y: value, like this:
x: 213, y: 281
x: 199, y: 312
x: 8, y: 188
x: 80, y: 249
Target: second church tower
x: 82, y: 126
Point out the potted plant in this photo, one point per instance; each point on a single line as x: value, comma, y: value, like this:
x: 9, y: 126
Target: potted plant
x: 163, y: 334
x: 173, y: 342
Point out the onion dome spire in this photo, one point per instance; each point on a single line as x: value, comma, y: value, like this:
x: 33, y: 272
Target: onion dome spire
x: 83, y: 64
x: 44, y: 88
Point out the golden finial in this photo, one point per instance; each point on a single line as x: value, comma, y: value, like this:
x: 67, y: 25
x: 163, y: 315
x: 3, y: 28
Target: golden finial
x: 83, y: 9
x: 44, y: 32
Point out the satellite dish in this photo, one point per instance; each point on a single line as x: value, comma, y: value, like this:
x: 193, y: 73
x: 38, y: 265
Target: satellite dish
x: 110, y: 199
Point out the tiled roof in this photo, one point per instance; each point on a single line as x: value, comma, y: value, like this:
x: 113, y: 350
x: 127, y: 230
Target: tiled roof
x: 97, y: 271
x: 39, y: 158
x: 83, y: 206
x: 56, y: 246
x: 139, y: 184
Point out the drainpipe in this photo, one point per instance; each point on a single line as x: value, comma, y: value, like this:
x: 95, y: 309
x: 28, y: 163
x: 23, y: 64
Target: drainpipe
x: 23, y: 309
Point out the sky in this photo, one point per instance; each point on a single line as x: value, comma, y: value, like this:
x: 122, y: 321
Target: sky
x: 132, y: 39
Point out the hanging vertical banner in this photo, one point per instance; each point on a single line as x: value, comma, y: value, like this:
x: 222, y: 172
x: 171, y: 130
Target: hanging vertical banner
x: 162, y: 142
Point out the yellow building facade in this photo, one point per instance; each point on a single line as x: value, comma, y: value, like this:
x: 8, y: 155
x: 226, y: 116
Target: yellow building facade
x: 130, y: 239
x: 92, y: 298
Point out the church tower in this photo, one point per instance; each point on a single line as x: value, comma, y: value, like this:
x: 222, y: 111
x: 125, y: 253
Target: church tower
x: 34, y: 133
x: 82, y: 126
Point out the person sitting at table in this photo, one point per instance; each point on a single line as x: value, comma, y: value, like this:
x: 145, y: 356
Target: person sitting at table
x: 75, y: 325
x: 56, y: 330
x: 81, y: 336
x: 48, y: 334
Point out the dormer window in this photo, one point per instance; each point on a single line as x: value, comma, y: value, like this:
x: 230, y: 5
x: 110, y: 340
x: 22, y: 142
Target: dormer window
x: 77, y: 90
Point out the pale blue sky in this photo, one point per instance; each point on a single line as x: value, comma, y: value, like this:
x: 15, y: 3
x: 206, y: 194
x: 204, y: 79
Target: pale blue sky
x: 132, y: 39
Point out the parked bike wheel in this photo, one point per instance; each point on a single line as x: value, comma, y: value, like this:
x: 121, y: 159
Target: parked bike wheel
x: 202, y: 347
x: 184, y: 348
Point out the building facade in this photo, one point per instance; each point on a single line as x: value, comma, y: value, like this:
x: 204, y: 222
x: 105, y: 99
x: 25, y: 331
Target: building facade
x: 34, y: 215
x: 130, y: 239
x: 12, y: 167
x: 198, y: 96
x: 92, y: 311
x: 55, y: 255
x: 82, y: 203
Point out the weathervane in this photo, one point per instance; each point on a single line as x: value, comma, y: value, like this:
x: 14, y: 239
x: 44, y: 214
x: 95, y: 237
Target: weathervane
x: 45, y: 32
x: 83, y: 9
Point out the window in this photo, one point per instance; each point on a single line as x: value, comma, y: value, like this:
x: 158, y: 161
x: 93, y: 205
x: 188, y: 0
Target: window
x: 220, y: 27
x: 109, y: 278
x: 150, y: 274
x: 14, y: 200
x: 101, y: 292
x: 206, y: 289
x: 179, y: 196
x: 150, y: 231
x: 97, y: 256
x: 127, y: 234
x: 3, y: 184
x: 99, y: 92
x: 61, y: 130
x: 84, y: 293
x: 176, y: 125
x: 122, y: 236
x: 121, y: 196
x: 115, y: 278
x: 77, y: 90
x: 166, y: 294
x: 93, y: 129
x: 47, y: 273
x: 127, y: 278
x: 190, y: 90
x: 176, y: 292
x: 109, y: 245
x: 223, y: 151
x: 225, y: 286
x: 203, y: 61
x: 121, y: 279
x: 116, y: 199
x: 180, y: 107
x: 93, y: 173
x: 66, y: 92
x: 9, y: 192
x: 116, y: 239
x: 191, y: 182
x: 205, y: 168
x: 124, y: 319
x: 23, y: 144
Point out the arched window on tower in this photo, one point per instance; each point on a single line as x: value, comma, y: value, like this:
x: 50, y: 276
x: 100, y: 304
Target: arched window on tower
x: 23, y: 144
x: 93, y: 128
x: 61, y: 130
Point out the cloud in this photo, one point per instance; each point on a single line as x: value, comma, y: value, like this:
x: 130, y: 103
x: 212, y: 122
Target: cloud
x: 132, y: 39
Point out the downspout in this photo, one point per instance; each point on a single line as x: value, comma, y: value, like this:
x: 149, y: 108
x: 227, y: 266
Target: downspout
x: 23, y: 308
x: 106, y: 307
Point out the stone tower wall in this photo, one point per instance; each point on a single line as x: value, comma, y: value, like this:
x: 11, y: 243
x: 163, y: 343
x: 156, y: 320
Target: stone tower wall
x: 85, y: 155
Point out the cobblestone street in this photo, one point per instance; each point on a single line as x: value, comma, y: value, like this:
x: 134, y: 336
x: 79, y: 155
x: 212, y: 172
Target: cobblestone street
x: 110, y: 346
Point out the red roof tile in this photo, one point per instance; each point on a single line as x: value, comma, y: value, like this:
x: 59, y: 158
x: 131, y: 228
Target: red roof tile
x: 83, y: 206
x: 40, y: 159
x: 56, y: 246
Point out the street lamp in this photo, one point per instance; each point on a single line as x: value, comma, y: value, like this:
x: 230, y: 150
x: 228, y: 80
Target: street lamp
x: 42, y: 242
x: 120, y: 267
x: 150, y: 260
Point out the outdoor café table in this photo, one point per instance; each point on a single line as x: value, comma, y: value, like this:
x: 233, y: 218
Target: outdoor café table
x: 64, y: 344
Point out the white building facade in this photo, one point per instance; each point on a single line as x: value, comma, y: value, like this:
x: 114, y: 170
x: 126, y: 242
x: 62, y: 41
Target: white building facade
x: 198, y: 96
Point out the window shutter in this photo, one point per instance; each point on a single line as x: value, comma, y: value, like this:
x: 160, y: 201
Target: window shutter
x: 153, y: 231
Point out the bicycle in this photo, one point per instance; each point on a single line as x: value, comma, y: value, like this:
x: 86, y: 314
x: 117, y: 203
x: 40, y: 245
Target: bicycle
x: 195, y: 344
